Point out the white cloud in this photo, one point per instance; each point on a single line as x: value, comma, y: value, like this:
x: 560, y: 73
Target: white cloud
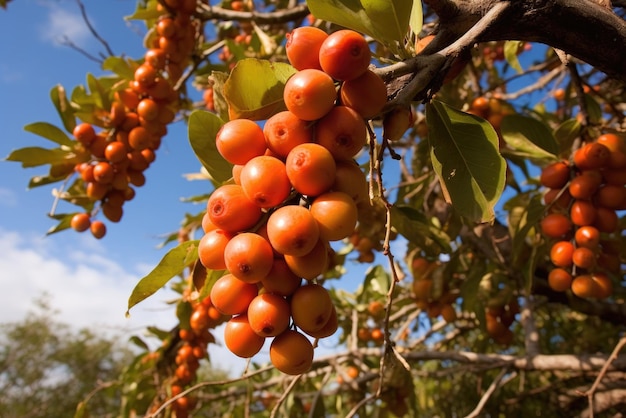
x: 85, y: 288
x: 64, y: 25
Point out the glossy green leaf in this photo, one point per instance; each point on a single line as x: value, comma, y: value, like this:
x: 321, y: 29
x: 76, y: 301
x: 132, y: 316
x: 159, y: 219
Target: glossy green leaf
x: 171, y: 265
x: 415, y: 227
x: 511, y: 50
x: 386, y: 21
x: 64, y: 107
x: 36, y: 156
x: 465, y: 156
x: 529, y: 138
x: 50, y: 132
x: 255, y: 87
x: 202, y: 128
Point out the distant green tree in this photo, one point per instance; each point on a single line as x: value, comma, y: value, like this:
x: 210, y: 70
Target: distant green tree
x: 47, y: 367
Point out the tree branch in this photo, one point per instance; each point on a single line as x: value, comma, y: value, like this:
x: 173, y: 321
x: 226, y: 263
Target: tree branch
x: 281, y: 16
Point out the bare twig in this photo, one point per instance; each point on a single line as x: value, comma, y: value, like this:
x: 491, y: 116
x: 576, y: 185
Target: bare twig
x: 280, y: 400
x: 492, y: 388
x: 209, y: 12
x: 93, y: 31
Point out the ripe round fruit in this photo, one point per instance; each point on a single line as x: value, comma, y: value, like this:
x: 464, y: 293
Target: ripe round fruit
x: 211, y: 249
x: 345, y: 55
x: 232, y: 296
x: 592, y: 156
x: 264, y: 181
x: 115, y: 152
x: 284, y: 130
x: 239, y: 140
x: 311, y: 169
x: 291, y: 353
x: 350, y: 179
x: 309, y: 94
x: 583, y: 213
x: 342, y: 131
x: 311, y: 307
x: 587, y: 236
x: 606, y: 220
x: 84, y: 133
x: 585, y: 185
x: 611, y: 196
x: 80, y: 222
x: 329, y: 328
x: 560, y: 280
x: 561, y: 253
x: 230, y: 209
x: 281, y: 280
x: 336, y: 214
x: 292, y: 230
x: 303, y: 47
x: 269, y: 314
x: 139, y: 138
x: 98, y: 229
x: 584, y: 286
x: 584, y: 258
x: 555, y: 225
x: 367, y: 94
x: 603, y: 285
x: 103, y: 172
x: 240, y: 338
x: 249, y: 257
x: 311, y: 264
x: 555, y: 175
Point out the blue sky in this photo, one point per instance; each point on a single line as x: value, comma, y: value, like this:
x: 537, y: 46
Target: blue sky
x: 89, y: 281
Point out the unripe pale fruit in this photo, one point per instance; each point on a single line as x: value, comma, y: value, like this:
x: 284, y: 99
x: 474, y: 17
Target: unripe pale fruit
x: 397, y: 122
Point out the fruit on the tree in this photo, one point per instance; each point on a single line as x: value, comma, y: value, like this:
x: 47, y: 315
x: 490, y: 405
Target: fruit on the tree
x: 311, y: 169
x: 80, y: 222
x: 311, y: 264
x: 345, y: 55
x: 211, y: 249
x: 231, y: 296
x: 240, y: 140
x: 292, y: 230
x: 268, y: 314
x: 291, y: 352
x: 366, y: 94
x: 230, y: 209
x: 303, y: 46
x: 248, y: 256
x: 336, y: 215
x: 396, y: 122
x: 555, y: 175
x: 560, y: 279
x: 342, y: 131
x: 310, y: 94
x: 264, y: 181
x: 555, y: 225
x: 240, y: 338
x: 284, y: 130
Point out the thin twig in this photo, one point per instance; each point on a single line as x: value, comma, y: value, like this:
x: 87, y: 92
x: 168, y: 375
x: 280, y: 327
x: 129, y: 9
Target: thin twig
x: 492, y: 388
x: 282, y: 398
x: 93, y: 31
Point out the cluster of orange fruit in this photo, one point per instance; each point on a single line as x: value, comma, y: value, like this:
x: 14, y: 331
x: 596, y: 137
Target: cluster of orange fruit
x: 192, y: 349
x: 583, y: 199
x: 430, y: 293
x: 117, y: 156
x: 498, y: 320
x: 295, y: 189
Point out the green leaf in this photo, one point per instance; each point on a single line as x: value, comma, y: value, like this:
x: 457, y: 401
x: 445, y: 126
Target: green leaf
x: 593, y: 109
x: 98, y: 93
x: 255, y: 87
x: 465, y: 156
x: 36, y: 156
x: 119, y: 66
x: 529, y: 138
x: 37, y: 181
x: 414, y: 226
x: 524, y: 214
x: 377, y: 281
x: 64, y: 219
x: 203, y: 127
x: 387, y: 21
x: 511, y: 49
x: 172, y: 264
x: 63, y: 106
x: 566, y: 133
x: 218, y: 79
x: 50, y: 132
x: 416, y: 19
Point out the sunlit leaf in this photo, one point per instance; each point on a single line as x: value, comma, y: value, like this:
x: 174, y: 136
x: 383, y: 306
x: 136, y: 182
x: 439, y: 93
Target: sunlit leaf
x: 511, y: 50
x: 465, y: 156
x: 203, y: 127
x: 255, y: 87
x: 50, y: 132
x: 416, y: 20
x: 171, y: 265
x: 119, y: 66
x: 64, y: 222
x: 218, y: 79
x: 566, y: 133
x: 414, y: 226
x: 384, y: 20
x: 377, y: 281
x: 529, y: 138
x: 36, y: 156
x: 524, y: 215
x: 64, y: 107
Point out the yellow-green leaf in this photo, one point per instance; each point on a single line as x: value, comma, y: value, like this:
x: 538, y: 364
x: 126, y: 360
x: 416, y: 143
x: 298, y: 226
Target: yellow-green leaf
x: 171, y: 265
x: 203, y: 127
x: 529, y: 138
x: 50, y: 132
x: 465, y: 156
x: 64, y: 107
x: 36, y: 156
x: 387, y: 21
x: 254, y: 89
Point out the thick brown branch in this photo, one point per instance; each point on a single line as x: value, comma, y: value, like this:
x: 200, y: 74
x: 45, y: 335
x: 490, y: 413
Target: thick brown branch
x: 280, y: 16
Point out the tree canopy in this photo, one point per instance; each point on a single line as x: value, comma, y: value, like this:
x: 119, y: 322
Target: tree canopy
x: 469, y: 157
